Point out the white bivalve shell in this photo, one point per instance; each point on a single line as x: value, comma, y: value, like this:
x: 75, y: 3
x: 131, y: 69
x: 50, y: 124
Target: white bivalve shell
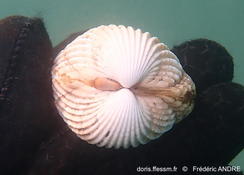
x: 118, y: 87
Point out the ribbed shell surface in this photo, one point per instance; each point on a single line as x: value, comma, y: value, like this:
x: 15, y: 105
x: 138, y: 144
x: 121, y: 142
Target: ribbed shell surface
x: 127, y: 116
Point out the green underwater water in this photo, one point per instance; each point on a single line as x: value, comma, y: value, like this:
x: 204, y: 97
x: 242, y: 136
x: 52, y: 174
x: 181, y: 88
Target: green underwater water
x: 173, y: 21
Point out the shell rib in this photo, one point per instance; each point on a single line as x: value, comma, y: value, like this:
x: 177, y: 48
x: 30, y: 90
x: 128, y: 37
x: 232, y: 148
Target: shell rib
x: 119, y: 87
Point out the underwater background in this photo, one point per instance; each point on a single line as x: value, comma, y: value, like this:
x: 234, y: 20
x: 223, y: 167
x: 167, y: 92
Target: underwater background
x: 173, y: 21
